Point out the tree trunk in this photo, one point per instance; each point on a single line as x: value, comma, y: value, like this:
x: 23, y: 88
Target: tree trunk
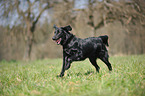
x: 141, y: 44
x: 93, y: 32
x: 28, y: 49
x: 28, y: 44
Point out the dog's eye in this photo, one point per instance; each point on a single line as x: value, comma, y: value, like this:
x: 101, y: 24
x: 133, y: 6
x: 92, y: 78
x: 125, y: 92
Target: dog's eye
x: 56, y: 32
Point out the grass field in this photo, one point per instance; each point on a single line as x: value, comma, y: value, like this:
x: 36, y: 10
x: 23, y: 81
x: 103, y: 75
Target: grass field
x: 40, y: 78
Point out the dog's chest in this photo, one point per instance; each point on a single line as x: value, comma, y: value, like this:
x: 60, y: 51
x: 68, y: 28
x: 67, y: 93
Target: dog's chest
x: 73, y: 49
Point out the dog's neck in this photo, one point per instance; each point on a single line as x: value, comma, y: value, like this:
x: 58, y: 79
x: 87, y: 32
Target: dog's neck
x: 70, y: 37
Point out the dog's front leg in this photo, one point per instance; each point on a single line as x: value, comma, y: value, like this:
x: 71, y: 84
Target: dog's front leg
x: 65, y: 63
x: 68, y: 63
x: 63, y: 66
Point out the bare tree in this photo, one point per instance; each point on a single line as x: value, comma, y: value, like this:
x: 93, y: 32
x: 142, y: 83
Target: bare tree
x: 28, y: 17
x: 30, y: 20
x: 109, y: 11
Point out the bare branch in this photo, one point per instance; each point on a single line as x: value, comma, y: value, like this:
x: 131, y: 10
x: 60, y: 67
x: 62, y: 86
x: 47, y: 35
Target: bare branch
x: 37, y: 18
x: 108, y: 4
x: 17, y: 3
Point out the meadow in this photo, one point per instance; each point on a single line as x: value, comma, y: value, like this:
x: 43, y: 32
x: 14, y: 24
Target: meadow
x: 39, y: 78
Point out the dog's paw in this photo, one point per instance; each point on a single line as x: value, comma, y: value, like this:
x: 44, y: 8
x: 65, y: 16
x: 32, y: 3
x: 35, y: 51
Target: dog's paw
x: 61, y: 75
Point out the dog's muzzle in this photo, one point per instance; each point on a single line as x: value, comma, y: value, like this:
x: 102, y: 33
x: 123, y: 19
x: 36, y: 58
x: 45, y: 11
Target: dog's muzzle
x: 58, y: 41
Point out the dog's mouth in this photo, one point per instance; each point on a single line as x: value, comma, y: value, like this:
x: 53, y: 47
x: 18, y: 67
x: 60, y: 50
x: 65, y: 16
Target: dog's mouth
x: 58, y: 41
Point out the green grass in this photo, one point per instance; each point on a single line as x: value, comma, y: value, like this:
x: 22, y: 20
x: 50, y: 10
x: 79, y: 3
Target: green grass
x: 40, y: 78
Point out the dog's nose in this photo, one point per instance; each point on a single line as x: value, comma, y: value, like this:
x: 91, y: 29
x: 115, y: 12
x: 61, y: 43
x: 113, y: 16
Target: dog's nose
x: 53, y: 38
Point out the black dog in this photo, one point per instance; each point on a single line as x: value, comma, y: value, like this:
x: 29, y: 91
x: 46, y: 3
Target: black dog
x: 76, y: 49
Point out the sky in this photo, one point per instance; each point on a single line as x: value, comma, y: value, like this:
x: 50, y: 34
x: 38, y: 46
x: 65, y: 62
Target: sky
x: 80, y: 4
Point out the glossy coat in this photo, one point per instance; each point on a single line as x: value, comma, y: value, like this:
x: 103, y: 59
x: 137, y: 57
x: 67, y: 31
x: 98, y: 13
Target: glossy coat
x: 77, y: 49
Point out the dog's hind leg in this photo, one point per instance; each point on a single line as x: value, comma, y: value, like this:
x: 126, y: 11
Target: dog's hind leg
x: 104, y: 57
x: 94, y: 63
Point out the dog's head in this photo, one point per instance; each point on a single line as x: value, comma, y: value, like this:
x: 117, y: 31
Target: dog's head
x: 61, y: 34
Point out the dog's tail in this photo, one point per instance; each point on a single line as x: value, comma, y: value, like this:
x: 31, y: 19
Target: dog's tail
x: 104, y: 39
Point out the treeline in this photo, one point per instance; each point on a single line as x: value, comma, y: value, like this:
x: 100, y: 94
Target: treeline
x: 122, y: 20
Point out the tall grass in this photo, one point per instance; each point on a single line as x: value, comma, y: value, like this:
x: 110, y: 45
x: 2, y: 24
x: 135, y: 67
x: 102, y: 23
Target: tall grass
x: 40, y: 78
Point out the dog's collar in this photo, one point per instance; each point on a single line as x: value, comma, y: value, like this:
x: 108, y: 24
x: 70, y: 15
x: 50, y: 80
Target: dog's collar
x: 70, y: 38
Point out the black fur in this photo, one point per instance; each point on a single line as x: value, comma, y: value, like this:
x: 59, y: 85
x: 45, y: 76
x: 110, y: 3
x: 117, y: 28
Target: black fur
x: 76, y: 49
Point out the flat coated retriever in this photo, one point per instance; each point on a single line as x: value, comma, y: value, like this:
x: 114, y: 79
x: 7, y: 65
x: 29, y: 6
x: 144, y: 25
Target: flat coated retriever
x: 76, y: 49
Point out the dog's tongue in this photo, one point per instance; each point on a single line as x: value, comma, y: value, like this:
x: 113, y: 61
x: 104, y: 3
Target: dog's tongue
x: 58, y: 41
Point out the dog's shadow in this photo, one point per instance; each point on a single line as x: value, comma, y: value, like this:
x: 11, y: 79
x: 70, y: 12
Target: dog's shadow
x: 87, y: 73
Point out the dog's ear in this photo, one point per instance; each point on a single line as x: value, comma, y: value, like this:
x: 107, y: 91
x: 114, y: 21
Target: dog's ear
x: 67, y: 28
x: 54, y: 26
